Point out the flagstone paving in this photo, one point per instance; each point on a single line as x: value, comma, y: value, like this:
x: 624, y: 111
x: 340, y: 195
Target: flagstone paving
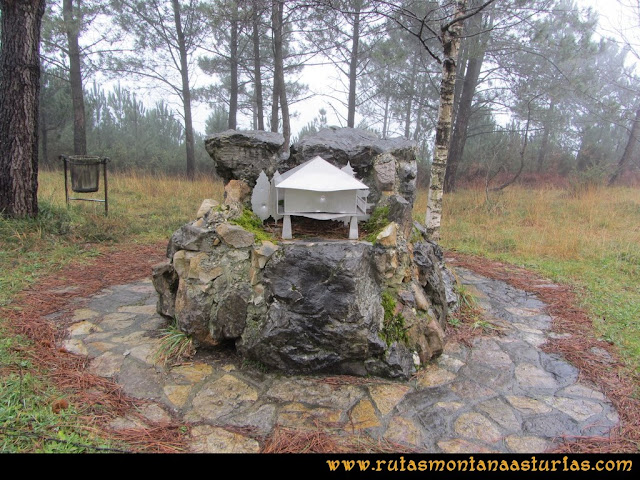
x: 501, y: 394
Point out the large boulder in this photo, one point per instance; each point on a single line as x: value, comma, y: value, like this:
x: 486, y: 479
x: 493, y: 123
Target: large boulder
x: 241, y: 155
x: 323, y: 313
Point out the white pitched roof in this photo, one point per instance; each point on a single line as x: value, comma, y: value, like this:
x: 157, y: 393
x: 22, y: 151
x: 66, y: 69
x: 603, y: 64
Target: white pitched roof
x: 319, y: 175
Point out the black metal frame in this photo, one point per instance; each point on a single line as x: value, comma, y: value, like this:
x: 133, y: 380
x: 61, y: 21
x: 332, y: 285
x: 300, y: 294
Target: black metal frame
x: 98, y: 160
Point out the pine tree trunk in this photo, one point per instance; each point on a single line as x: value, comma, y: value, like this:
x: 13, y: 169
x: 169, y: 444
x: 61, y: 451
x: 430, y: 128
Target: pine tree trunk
x: 544, y: 146
x: 628, y: 151
x: 385, y: 120
x: 72, y: 25
x: 353, y: 68
x: 256, y: 67
x: 459, y: 138
x: 19, y: 102
x: 277, y: 19
x: 468, y: 73
x: 450, y: 44
x: 461, y: 70
x: 417, y: 131
x: 233, y: 60
x: 44, y: 140
x: 186, y: 92
x: 409, y: 109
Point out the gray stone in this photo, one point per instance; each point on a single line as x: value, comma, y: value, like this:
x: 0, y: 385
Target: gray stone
x: 242, y: 155
x: 314, y: 392
x: 477, y: 427
x: 471, y: 390
x: 529, y: 376
x: 209, y: 439
x: 107, y: 364
x: 401, y: 212
x: 320, y: 315
x: 432, y: 277
x: 75, y: 346
x: 155, y: 413
x: 261, y: 419
x: 222, y: 397
x: 551, y: 425
x: 140, y: 380
x: 564, y: 372
x: 528, y: 405
x: 450, y: 363
x: 578, y: 409
x: 235, y: 236
x: 579, y: 390
x: 193, y: 311
x: 308, y: 308
x: 231, y: 313
x: 261, y: 254
x: 501, y: 413
x: 191, y: 237
x: 206, y: 205
x: 385, y: 172
x: 527, y: 444
x: 165, y: 281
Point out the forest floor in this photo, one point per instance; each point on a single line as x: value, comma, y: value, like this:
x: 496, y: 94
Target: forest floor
x: 51, y: 402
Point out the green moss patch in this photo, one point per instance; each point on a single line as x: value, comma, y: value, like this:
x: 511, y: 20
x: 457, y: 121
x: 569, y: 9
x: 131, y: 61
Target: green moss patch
x: 394, y: 328
x: 252, y: 223
x: 377, y: 221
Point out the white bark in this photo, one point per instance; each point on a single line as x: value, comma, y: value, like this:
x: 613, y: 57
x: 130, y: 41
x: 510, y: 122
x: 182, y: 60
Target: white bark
x: 451, y: 43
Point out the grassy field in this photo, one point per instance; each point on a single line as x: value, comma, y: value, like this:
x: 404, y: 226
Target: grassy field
x: 588, y: 238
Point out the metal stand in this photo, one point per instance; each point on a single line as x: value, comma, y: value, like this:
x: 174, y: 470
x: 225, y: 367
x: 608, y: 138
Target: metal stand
x: 84, y: 184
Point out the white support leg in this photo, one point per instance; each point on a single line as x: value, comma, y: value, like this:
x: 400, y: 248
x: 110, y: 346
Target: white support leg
x: 286, y: 228
x: 353, y: 228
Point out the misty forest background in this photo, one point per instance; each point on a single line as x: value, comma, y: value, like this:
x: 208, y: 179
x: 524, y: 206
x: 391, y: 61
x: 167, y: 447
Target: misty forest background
x: 540, y: 94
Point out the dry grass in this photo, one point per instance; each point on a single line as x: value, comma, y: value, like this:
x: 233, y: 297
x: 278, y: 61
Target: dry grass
x: 146, y: 206
x: 547, y: 223
x: 588, y: 238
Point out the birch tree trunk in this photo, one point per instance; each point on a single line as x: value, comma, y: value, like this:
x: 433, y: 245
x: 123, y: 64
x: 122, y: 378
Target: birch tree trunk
x: 19, y: 102
x: 451, y: 34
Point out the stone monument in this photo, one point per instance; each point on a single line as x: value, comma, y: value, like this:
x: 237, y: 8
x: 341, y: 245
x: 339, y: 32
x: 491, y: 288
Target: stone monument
x: 356, y: 307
